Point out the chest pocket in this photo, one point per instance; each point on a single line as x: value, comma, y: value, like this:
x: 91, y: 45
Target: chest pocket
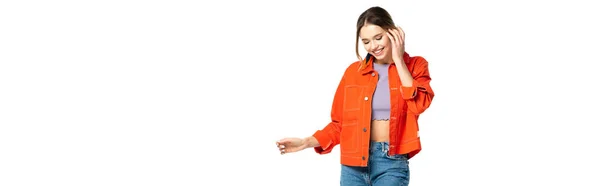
x: 353, y: 101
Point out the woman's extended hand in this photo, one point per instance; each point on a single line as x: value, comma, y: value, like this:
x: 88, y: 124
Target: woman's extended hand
x: 287, y: 145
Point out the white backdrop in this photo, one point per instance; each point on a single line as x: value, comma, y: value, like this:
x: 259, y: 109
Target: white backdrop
x: 188, y: 93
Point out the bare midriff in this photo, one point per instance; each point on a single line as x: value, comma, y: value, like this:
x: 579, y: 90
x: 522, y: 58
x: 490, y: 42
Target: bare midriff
x: 380, y: 130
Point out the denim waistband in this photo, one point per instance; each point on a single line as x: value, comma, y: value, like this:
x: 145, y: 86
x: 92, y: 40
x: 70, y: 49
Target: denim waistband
x: 383, y: 146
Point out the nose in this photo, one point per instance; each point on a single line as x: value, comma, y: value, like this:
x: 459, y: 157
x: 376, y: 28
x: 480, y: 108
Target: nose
x: 372, y: 46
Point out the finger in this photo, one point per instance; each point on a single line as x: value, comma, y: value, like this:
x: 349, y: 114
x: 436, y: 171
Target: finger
x: 398, y: 34
x: 283, y: 141
x: 392, y: 35
x: 289, y: 150
x: 282, y: 150
x: 280, y: 145
x: 283, y: 147
x: 392, y: 40
x: 401, y: 33
x: 285, y: 150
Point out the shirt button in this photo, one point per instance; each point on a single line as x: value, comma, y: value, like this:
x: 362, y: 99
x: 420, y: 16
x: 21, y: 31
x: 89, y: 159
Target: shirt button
x: 365, y: 129
x: 363, y: 158
x: 366, y: 98
x: 373, y: 74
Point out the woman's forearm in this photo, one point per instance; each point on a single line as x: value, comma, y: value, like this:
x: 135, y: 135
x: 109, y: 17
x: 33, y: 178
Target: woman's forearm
x: 405, y: 77
x: 311, y: 142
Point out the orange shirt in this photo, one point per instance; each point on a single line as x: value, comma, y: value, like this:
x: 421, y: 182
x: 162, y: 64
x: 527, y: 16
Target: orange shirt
x: 351, y: 111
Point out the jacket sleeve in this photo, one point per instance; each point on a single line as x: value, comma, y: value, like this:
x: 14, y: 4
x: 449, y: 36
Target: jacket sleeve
x: 418, y: 97
x: 329, y: 136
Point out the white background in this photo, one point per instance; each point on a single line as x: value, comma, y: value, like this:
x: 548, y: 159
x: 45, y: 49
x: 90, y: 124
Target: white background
x: 197, y: 93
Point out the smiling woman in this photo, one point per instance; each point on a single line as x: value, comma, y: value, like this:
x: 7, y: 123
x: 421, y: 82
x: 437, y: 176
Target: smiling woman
x: 372, y: 26
x: 376, y: 105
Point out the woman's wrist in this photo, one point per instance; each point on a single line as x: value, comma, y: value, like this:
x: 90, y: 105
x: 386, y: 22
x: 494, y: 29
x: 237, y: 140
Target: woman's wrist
x: 310, y: 142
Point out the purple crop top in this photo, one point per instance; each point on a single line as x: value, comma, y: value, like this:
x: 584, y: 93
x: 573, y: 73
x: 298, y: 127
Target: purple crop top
x: 381, y: 98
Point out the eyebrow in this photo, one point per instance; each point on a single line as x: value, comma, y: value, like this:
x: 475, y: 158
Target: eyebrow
x: 376, y: 35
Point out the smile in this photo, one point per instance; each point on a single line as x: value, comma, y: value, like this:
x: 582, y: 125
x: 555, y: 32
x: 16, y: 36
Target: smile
x: 378, y: 52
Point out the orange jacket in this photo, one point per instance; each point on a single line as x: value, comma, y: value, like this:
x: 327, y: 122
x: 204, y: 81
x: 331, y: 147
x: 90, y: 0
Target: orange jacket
x: 351, y: 111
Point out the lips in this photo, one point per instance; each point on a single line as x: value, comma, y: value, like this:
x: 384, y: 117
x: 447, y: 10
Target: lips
x: 378, y: 51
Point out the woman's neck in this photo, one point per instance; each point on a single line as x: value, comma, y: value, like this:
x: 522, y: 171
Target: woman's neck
x: 382, y: 61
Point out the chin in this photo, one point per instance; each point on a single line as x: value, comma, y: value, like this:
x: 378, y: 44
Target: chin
x: 382, y: 57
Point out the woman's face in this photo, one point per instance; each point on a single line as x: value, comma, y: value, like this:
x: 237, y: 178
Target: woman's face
x: 376, y: 41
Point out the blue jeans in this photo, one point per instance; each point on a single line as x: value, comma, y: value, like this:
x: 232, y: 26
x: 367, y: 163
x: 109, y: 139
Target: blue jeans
x: 381, y: 170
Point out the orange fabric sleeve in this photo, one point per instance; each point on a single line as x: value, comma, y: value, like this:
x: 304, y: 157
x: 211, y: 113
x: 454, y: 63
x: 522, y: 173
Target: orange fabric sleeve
x: 419, y: 95
x: 329, y: 136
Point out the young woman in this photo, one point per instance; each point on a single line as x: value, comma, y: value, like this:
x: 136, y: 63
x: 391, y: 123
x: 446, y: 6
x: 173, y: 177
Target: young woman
x: 374, y: 117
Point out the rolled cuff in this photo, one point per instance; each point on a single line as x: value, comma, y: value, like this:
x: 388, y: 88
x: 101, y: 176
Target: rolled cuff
x: 324, y: 142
